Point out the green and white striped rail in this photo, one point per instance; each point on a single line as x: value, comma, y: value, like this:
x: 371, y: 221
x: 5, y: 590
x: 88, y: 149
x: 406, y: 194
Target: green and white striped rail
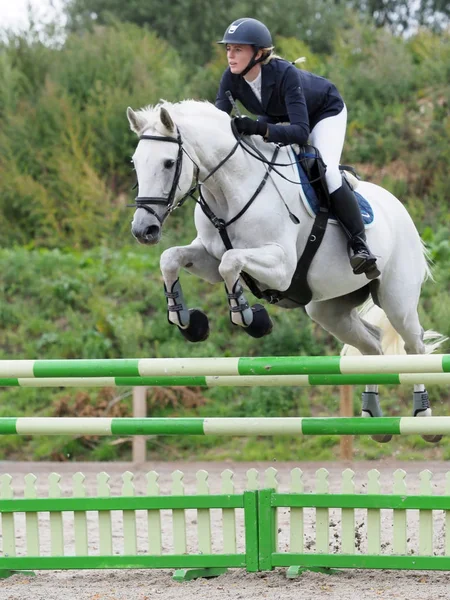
x: 210, y: 381
x: 241, y: 426
x: 230, y: 366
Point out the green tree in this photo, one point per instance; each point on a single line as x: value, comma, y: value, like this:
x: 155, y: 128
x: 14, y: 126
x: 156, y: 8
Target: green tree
x: 64, y: 140
x: 401, y: 15
x: 193, y: 26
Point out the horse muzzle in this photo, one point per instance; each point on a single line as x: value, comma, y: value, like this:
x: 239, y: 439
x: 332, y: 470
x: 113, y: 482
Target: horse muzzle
x: 149, y: 235
x: 146, y: 228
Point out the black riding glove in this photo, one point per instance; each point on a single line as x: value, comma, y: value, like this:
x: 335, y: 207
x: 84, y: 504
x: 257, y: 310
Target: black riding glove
x: 248, y: 126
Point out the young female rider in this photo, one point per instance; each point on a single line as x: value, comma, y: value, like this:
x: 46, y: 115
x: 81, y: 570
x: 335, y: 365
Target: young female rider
x: 278, y: 92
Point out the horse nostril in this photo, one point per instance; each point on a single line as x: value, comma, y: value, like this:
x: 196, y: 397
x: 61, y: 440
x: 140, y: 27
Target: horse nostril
x: 151, y: 232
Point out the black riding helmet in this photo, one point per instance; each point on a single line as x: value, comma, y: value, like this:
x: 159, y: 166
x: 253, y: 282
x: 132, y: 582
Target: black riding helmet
x: 248, y: 31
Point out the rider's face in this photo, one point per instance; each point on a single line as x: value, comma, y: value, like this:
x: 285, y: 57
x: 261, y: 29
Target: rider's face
x: 238, y: 56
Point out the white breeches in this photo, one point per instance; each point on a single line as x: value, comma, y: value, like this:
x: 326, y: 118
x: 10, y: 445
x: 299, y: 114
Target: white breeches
x: 328, y: 137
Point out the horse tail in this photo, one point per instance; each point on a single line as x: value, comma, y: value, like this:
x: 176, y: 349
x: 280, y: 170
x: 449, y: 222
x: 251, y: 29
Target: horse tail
x: 391, y: 341
x: 428, y: 262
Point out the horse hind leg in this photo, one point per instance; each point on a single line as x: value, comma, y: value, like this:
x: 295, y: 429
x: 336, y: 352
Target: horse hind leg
x: 401, y: 310
x: 340, y: 317
x: 370, y: 405
x: 371, y: 408
x: 422, y: 408
x: 375, y: 321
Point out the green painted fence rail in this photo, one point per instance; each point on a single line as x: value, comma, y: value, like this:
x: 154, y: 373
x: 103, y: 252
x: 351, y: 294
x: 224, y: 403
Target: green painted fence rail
x: 228, y: 366
x: 245, y: 536
x: 240, y: 426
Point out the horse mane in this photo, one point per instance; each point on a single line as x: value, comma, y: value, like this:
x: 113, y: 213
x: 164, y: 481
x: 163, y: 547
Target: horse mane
x: 191, y: 109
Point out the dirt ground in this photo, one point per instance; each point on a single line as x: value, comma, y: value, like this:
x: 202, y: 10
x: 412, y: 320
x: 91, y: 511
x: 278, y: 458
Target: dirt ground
x: 149, y: 584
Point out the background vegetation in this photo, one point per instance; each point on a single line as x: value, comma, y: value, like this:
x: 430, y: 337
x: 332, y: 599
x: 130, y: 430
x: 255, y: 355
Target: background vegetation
x: 74, y: 284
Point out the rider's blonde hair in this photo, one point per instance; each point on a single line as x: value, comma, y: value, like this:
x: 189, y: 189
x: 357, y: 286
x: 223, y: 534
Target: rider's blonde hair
x: 269, y: 52
x: 271, y: 55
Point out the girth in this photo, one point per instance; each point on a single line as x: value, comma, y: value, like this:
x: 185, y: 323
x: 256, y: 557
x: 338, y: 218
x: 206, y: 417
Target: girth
x: 299, y: 292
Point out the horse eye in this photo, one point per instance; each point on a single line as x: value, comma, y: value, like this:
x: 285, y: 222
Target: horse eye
x: 168, y: 164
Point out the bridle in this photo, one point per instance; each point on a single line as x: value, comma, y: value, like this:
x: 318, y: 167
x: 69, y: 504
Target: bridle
x: 145, y: 202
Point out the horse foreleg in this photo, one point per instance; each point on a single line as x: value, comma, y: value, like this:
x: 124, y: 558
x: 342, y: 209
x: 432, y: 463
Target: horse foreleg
x: 193, y: 323
x: 268, y: 264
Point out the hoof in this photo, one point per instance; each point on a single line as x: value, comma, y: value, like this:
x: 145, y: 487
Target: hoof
x: 371, y: 408
x: 261, y: 325
x: 422, y: 408
x: 198, y: 329
x: 433, y: 439
x: 382, y: 438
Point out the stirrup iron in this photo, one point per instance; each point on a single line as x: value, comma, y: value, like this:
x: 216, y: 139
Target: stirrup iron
x: 362, y: 260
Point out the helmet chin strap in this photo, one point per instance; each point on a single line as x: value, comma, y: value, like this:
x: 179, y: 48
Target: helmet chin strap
x: 253, y: 61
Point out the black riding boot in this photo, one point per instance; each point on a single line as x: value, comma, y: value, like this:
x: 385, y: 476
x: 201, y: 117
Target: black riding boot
x: 346, y: 209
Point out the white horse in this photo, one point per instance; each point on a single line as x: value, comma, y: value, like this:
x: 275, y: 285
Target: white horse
x: 192, y: 140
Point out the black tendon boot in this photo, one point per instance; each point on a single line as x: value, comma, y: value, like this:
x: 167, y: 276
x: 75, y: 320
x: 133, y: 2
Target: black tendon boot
x: 346, y: 209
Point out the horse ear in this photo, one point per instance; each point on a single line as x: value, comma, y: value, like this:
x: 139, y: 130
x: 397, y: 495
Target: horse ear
x: 166, y: 119
x: 136, y: 122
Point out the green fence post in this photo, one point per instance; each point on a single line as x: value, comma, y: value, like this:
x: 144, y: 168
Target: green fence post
x: 251, y: 531
x: 267, y: 533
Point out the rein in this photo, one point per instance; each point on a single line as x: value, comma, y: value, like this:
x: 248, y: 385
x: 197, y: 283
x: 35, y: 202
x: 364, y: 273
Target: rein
x: 258, y: 155
x: 145, y: 202
x: 220, y: 224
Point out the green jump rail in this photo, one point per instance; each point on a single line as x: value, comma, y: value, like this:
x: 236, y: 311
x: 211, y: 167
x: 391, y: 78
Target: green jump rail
x: 229, y: 366
x: 263, y: 426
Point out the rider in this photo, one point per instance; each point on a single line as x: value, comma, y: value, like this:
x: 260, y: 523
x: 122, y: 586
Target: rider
x: 278, y: 92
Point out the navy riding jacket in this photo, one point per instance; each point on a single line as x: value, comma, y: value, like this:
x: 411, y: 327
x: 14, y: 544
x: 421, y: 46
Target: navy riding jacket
x: 288, y: 95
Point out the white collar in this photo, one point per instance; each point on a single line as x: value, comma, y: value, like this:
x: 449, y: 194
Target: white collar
x: 255, y: 81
